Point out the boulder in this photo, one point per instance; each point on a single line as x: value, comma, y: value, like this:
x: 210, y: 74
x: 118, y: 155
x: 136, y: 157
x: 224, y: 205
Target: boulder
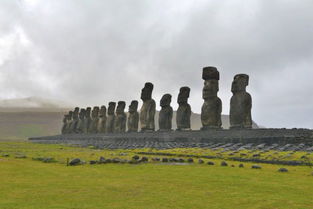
x: 190, y: 160
x: 210, y: 163
x: 283, y: 170
x: 223, y: 163
x: 200, y: 161
x: 241, y: 165
x: 256, y: 167
x: 75, y: 161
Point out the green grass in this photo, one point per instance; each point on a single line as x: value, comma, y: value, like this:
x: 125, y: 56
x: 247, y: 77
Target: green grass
x: 30, y: 184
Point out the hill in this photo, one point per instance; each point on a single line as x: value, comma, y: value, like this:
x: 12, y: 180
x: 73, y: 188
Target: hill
x: 21, y: 123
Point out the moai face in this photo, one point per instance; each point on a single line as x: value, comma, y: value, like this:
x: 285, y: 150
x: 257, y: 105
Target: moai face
x: 183, y: 95
x: 241, y: 81
x: 70, y: 115
x: 210, y: 73
x: 166, y: 100
x: 103, y: 111
x: 146, y: 92
x: 111, y: 108
x: 120, y: 107
x: 88, y: 112
x: 75, y: 113
x: 95, y: 112
x: 82, y: 114
x: 210, y: 89
x: 133, y: 106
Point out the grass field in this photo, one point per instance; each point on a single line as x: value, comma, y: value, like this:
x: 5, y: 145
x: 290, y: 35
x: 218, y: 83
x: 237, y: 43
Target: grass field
x: 27, y: 183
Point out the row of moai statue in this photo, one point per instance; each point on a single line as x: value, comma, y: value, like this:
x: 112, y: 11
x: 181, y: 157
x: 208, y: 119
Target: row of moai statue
x: 99, y: 120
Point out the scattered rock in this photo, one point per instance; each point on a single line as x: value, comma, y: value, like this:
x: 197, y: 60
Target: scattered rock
x: 92, y: 162
x: 232, y: 166
x: 243, y: 154
x: 165, y: 160
x: 256, y: 167
x: 136, y: 157
x: 200, y: 161
x: 144, y: 159
x: 256, y: 155
x: 181, y: 160
x: 101, y: 160
x: 5, y: 155
x: 20, y: 156
x: 108, y: 161
x: 241, y: 165
x: 190, y: 160
x: 75, y: 161
x: 223, y: 163
x: 210, y: 163
x: 283, y: 170
x: 156, y: 159
x: 116, y: 160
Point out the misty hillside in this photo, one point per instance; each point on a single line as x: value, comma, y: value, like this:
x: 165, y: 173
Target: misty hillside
x: 21, y: 123
x: 32, y: 102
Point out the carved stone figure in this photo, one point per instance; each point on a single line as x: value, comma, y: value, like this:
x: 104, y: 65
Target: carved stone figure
x: 65, y: 120
x: 81, y: 121
x: 110, y: 118
x: 184, y: 110
x: 75, y: 119
x: 147, y: 111
x: 212, y: 106
x: 87, y: 121
x: 166, y: 113
x: 133, y: 117
x: 120, y: 118
x: 69, y: 122
x: 240, y: 103
x: 102, y: 119
x: 94, y: 120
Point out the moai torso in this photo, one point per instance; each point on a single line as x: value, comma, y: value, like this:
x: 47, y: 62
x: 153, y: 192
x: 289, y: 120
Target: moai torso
x: 183, y: 113
x: 102, y: 120
x: 240, y: 103
x: 81, y: 121
x: 212, y: 106
x: 147, y: 111
x: 87, y: 121
x: 110, y: 118
x: 74, y: 122
x: 120, y: 118
x: 166, y: 113
x: 133, y: 117
x: 63, y: 131
x: 93, y: 128
x: 69, y: 122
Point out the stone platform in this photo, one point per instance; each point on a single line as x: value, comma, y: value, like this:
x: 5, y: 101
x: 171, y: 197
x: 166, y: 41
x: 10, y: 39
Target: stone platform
x: 278, y: 139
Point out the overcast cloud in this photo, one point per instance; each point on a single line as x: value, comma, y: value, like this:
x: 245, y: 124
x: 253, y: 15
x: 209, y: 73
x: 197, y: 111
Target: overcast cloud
x: 96, y: 51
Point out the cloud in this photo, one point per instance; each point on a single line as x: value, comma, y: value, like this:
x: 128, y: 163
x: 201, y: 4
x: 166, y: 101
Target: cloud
x: 92, y: 52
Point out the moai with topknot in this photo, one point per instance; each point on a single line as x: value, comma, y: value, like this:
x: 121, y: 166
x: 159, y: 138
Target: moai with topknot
x: 147, y: 111
x: 120, y: 118
x: 102, y: 119
x: 110, y: 118
x: 81, y: 121
x: 212, y: 106
x: 183, y: 113
x: 75, y: 119
x: 133, y: 117
x: 94, y: 120
x: 87, y: 121
x: 240, y: 103
x: 166, y: 113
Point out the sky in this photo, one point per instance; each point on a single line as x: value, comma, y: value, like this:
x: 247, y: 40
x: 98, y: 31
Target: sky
x: 88, y: 53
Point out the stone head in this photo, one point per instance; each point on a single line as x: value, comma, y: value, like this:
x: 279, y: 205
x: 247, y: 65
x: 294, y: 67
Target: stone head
x: 210, y: 89
x: 166, y: 100
x: 111, y: 108
x: 82, y: 113
x: 146, y: 92
x: 210, y: 73
x: 133, y: 106
x: 75, y: 113
x: 88, y: 112
x: 120, y: 107
x: 183, y: 95
x: 70, y: 115
x: 103, y: 111
x: 240, y: 82
x: 95, y: 112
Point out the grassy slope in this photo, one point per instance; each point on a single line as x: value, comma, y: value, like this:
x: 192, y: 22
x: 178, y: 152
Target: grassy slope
x: 31, y: 184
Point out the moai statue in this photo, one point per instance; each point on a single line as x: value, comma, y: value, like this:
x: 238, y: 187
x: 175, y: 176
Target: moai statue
x: 102, y: 119
x: 69, y: 122
x: 147, y: 111
x: 75, y: 119
x: 120, y: 118
x: 212, y: 106
x: 110, y: 118
x: 81, y: 121
x: 184, y: 110
x: 166, y: 113
x: 133, y: 117
x: 240, y: 103
x: 87, y: 121
x: 65, y: 119
x: 94, y: 120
